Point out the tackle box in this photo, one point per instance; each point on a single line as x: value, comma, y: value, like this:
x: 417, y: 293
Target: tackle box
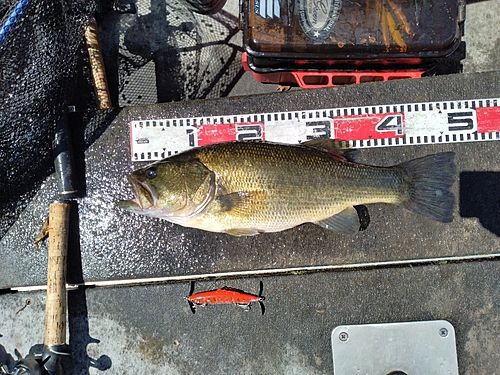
x: 317, y: 43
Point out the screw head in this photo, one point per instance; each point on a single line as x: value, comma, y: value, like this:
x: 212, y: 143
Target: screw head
x: 343, y: 336
x: 443, y: 332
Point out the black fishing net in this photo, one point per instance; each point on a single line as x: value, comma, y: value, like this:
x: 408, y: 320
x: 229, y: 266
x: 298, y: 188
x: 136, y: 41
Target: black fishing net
x: 38, y: 50
x: 154, y: 51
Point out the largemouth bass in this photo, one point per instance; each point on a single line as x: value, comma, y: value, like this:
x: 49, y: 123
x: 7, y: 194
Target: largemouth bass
x: 246, y: 188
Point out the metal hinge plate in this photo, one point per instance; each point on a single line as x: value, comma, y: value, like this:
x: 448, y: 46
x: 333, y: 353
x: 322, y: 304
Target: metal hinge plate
x: 425, y: 348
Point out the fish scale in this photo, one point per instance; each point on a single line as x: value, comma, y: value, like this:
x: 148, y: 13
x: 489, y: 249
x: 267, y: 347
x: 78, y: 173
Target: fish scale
x: 290, y: 173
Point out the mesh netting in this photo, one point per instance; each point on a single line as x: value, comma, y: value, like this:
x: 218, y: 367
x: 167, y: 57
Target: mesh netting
x: 160, y: 52
x: 38, y: 49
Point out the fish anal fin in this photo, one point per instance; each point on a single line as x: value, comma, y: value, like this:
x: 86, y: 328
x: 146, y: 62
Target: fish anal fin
x: 242, y: 231
x: 345, y: 222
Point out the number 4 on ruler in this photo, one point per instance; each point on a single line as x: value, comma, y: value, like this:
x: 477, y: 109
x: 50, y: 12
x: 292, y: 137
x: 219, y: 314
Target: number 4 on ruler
x: 392, y: 123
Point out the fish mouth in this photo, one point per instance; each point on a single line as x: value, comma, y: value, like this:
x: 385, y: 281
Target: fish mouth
x: 145, y: 194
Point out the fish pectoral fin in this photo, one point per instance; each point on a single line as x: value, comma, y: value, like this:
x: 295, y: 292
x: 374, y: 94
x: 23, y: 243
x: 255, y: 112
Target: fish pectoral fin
x: 241, y: 204
x: 242, y: 232
x: 345, y: 222
x: 240, y: 201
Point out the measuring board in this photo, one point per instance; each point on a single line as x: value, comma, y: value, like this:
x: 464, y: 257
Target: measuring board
x: 352, y: 127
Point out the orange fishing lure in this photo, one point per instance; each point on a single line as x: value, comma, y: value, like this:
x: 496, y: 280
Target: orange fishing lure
x: 225, y: 296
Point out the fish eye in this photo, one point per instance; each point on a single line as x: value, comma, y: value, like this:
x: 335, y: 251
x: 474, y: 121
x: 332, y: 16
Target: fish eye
x: 151, y: 173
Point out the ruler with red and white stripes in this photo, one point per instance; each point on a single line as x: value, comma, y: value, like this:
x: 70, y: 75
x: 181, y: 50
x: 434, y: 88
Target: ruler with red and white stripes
x: 352, y: 127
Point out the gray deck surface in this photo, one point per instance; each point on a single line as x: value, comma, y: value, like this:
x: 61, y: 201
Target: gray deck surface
x: 150, y: 329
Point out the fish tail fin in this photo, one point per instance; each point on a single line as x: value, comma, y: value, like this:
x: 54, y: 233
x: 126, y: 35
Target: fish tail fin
x: 431, y: 178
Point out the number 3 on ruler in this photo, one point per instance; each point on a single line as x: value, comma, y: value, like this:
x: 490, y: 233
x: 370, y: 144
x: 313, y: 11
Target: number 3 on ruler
x: 249, y: 132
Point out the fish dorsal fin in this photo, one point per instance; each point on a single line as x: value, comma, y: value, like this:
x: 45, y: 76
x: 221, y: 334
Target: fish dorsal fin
x: 326, y: 144
x: 333, y: 148
x: 345, y: 222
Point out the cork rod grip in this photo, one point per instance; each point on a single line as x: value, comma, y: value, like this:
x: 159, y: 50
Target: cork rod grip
x: 97, y: 66
x: 55, y: 307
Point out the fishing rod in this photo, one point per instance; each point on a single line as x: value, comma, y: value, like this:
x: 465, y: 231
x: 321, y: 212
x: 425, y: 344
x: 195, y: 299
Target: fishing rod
x: 57, y: 228
x: 265, y: 272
